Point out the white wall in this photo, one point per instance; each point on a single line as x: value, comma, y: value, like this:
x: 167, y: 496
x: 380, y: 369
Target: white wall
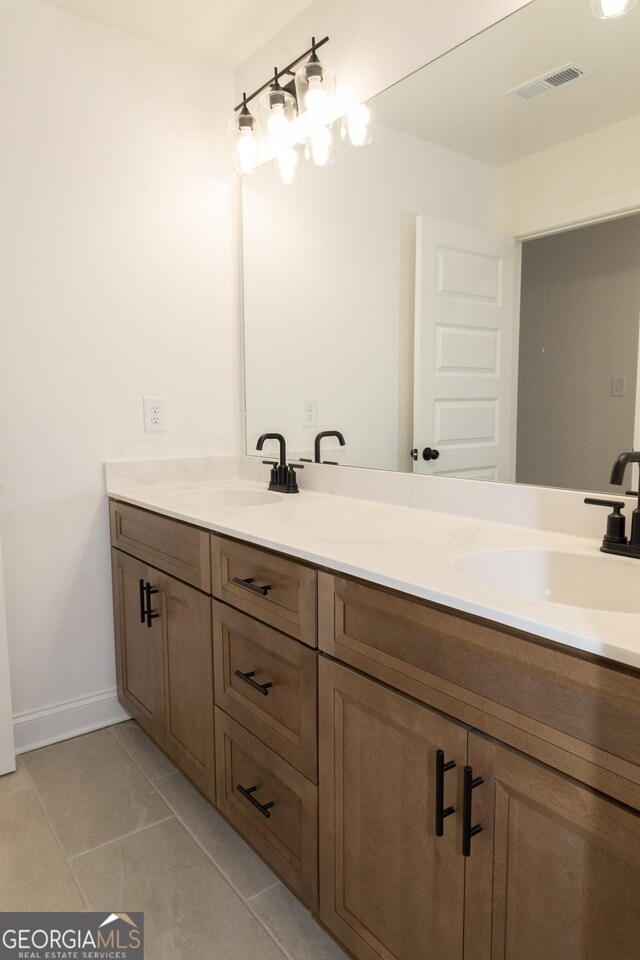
x: 325, y: 315
x: 590, y: 177
x: 118, y: 277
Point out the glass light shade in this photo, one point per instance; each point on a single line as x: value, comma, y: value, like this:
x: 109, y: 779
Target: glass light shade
x: 277, y: 110
x: 318, y: 148
x: 607, y: 9
x: 315, y: 90
x: 245, y: 144
x: 287, y: 164
x: 354, y: 126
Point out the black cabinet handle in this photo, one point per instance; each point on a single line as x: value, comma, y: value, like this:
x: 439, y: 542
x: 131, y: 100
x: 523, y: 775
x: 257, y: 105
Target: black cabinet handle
x: 142, y: 610
x: 413, y: 454
x: 429, y: 454
x: 467, y: 830
x: 248, y: 584
x: 262, y: 688
x: 148, y: 590
x: 247, y: 794
x: 441, y: 813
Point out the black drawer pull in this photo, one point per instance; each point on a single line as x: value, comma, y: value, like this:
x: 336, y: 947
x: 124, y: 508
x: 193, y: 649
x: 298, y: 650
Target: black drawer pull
x: 441, y: 813
x: 467, y: 830
x: 248, y: 584
x: 262, y: 688
x: 247, y: 794
x: 148, y: 590
x: 143, y: 614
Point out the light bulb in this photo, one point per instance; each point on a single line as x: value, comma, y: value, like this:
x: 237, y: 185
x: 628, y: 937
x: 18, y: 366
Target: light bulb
x: 355, y: 126
x: 278, y: 126
x: 605, y: 9
x: 316, y: 100
x: 319, y: 146
x: 287, y: 164
x: 247, y: 151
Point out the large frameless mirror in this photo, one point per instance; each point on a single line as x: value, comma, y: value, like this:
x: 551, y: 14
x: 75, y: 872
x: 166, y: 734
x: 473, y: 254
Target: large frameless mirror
x: 461, y: 297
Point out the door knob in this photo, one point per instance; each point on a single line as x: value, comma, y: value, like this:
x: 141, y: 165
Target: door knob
x: 429, y: 454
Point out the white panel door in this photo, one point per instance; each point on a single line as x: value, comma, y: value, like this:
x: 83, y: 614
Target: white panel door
x: 465, y: 375
x: 7, y: 755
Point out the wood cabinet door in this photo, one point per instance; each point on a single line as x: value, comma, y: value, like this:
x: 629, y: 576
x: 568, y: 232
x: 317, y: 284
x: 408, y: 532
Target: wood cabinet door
x: 389, y: 887
x: 185, y: 628
x: 555, y: 873
x: 138, y: 653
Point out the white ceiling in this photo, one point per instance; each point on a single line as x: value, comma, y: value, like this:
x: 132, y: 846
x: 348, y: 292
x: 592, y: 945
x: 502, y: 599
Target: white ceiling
x: 223, y: 32
x: 460, y: 101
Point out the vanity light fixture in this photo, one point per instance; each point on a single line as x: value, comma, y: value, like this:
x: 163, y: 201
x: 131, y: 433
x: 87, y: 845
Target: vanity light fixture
x: 241, y: 130
x: 277, y: 110
x: 299, y: 110
x: 607, y: 9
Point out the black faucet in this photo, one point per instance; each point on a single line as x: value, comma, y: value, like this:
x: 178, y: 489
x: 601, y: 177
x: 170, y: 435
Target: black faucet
x: 319, y: 437
x: 283, y: 477
x: 614, y: 540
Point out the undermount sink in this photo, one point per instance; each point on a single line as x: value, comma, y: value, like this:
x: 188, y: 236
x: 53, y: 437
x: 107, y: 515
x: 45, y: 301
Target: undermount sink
x: 214, y: 498
x: 595, y: 582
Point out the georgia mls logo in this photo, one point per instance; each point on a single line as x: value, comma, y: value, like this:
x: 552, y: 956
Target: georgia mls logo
x: 71, y: 936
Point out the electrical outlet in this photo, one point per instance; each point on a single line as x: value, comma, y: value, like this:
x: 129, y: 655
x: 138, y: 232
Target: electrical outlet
x: 310, y: 413
x: 155, y: 414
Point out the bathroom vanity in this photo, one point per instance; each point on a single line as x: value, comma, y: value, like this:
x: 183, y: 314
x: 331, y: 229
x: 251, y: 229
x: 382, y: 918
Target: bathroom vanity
x: 430, y: 782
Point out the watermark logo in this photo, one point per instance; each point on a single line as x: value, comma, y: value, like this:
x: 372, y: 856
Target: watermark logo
x: 71, y: 936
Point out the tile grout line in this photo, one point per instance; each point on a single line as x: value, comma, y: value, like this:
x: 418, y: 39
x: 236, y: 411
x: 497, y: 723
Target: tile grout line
x: 123, y: 836
x: 56, y: 838
x: 253, y: 896
x: 139, y: 765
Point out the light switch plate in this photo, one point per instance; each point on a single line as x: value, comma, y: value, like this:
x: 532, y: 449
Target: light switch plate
x: 618, y: 386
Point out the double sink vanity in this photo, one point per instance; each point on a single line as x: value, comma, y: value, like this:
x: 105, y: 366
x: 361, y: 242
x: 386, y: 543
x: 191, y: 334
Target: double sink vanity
x: 426, y: 725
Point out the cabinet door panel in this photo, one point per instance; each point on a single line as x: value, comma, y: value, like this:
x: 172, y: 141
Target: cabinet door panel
x: 388, y: 886
x: 185, y: 625
x: 555, y: 874
x: 138, y: 655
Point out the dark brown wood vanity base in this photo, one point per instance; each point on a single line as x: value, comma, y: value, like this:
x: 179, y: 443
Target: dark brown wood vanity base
x: 432, y: 785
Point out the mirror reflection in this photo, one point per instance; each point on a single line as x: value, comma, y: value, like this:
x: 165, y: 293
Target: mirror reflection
x: 461, y: 297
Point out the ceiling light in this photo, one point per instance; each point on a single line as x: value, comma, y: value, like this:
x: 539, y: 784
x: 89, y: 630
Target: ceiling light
x: 607, y: 9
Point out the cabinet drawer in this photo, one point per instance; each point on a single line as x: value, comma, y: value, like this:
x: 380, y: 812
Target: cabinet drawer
x: 290, y: 602
x: 567, y: 709
x: 276, y: 810
x: 284, y: 716
x: 174, y: 547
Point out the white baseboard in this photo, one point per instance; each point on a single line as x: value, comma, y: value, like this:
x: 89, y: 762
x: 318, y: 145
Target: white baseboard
x: 38, y: 728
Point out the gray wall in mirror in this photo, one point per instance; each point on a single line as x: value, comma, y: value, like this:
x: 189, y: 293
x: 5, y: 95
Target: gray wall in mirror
x: 386, y: 288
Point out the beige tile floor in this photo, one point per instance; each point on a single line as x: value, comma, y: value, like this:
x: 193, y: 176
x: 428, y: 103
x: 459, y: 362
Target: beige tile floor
x: 107, y: 822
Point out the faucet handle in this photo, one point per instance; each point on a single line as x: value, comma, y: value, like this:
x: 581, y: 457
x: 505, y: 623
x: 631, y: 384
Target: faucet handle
x: 615, y: 521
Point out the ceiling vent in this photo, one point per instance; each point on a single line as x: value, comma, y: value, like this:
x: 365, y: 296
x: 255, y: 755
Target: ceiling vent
x: 542, y: 86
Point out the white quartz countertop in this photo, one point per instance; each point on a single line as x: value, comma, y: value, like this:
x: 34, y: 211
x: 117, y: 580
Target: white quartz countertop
x: 414, y: 551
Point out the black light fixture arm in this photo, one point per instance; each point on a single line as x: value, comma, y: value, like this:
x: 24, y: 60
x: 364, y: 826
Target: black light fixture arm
x: 281, y: 73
